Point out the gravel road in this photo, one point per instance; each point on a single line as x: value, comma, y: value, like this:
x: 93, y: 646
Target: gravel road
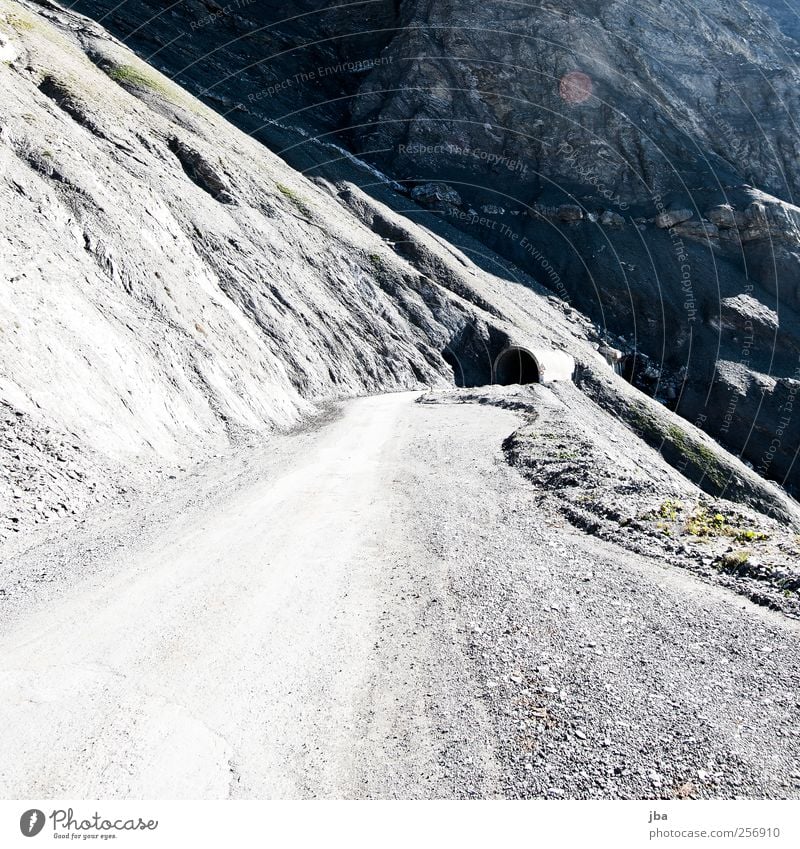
x: 381, y: 607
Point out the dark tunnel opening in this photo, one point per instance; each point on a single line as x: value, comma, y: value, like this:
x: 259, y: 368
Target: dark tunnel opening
x: 515, y: 365
x: 458, y: 372
x: 471, y: 352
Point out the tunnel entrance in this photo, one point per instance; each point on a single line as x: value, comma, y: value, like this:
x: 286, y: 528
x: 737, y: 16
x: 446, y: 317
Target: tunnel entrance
x: 516, y: 365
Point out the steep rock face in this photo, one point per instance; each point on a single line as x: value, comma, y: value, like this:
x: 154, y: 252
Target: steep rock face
x: 116, y: 176
x: 653, y: 99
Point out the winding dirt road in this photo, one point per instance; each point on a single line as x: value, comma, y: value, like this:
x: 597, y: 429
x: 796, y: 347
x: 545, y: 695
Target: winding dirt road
x: 237, y: 657
x: 384, y: 614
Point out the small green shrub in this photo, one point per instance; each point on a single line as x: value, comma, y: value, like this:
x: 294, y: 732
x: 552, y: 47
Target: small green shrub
x: 733, y: 560
x: 670, y: 509
x: 702, y: 524
x: 749, y: 535
x: 707, y: 525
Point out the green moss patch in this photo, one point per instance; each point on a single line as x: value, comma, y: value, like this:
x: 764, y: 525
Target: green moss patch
x: 295, y: 198
x: 129, y: 76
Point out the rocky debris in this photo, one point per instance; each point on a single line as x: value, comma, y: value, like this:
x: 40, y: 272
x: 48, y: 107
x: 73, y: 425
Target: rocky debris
x: 745, y: 315
x: 686, y: 448
x: 540, y: 210
x: 569, y: 212
x: 609, y: 218
x: 766, y: 219
x: 611, y: 354
x: 672, y: 217
x: 757, y: 222
x: 47, y: 475
x: 436, y: 195
x: 606, y: 673
x: 697, y: 230
x: 201, y: 171
x: 726, y: 217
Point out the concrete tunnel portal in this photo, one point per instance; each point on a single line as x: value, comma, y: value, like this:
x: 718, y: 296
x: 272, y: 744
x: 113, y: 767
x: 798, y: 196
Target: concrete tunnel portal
x: 507, y: 361
x: 520, y: 364
x: 516, y: 365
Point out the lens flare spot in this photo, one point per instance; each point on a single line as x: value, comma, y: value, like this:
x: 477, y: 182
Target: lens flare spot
x: 575, y: 87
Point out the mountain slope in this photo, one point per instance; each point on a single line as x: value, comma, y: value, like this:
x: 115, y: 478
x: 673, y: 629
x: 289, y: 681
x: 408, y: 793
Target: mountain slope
x: 170, y: 285
x: 172, y: 288
x: 649, y: 154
